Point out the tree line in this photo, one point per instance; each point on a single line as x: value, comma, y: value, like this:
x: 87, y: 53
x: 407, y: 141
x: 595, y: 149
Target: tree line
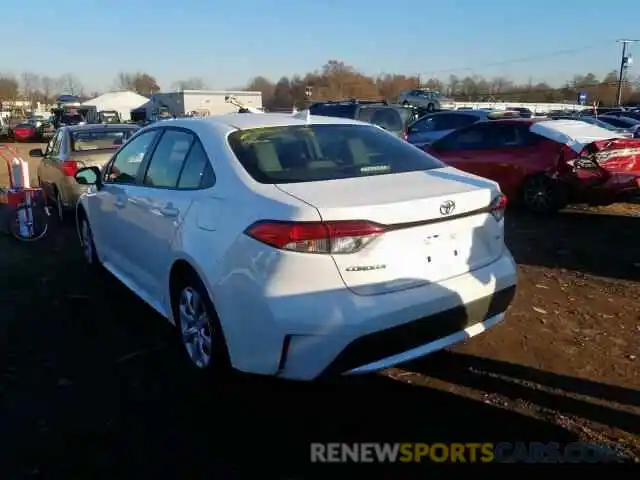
x: 337, y: 80
x: 45, y: 89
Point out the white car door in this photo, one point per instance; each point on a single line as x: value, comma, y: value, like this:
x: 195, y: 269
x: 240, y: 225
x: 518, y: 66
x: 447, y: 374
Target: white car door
x: 109, y: 205
x: 175, y: 170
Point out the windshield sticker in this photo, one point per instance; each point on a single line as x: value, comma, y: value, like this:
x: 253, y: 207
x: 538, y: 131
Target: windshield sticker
x: 375, y: 169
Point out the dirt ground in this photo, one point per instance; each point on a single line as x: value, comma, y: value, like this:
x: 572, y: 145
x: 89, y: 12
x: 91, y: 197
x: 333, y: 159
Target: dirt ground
x: 91, y: 381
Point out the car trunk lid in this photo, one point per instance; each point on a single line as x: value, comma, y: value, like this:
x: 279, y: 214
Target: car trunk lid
x: 93, y: 158
x: 437, y: 225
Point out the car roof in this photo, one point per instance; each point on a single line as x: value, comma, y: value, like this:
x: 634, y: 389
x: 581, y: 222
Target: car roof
x: 246, y: 121
x: 520, y: 120
x: 472, y: 111
x: 100, y: 126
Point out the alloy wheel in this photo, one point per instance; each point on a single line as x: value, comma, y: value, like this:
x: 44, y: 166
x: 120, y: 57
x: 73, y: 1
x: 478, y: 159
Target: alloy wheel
x: 195, y: 327
x: 538, y: 195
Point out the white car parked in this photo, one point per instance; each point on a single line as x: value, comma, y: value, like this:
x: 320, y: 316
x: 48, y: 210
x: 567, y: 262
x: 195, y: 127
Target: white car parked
x: 298, y: 247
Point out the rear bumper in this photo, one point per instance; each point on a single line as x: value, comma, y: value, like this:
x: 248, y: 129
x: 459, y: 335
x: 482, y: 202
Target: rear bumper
x: 619, y: 187
x: 389, y: 347
x: 334, y: 332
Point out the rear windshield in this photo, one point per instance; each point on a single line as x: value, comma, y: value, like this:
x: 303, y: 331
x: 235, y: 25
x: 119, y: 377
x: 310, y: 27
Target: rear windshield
x: 387, y: 118
x: 71, y: 119
x: 334, y: 110
x: 296, y: 154
x: 83, y: 141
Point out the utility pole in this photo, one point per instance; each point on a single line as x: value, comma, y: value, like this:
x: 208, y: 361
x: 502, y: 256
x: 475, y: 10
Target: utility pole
x: 624, y: 64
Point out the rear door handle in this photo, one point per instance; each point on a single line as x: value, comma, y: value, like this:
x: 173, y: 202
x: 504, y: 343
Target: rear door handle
x: 119, y: 203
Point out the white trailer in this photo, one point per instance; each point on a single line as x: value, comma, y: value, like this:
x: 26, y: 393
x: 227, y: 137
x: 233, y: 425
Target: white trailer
x: 205, y: 102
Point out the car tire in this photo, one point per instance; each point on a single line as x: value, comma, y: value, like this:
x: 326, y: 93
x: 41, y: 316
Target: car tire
x: 89, y: 252
x: 431, y: 108
x: 543, y: 195
x: 199, y: 330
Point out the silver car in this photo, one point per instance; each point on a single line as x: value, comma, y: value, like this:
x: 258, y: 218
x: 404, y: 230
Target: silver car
x: 72, y: 148
x: 429, y: 100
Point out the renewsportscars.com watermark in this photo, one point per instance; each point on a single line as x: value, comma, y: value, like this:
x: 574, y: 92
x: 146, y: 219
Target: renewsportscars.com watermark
x: 520, y: 452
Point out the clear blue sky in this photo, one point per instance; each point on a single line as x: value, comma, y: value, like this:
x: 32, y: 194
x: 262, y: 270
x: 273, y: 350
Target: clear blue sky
x: 226, y: 43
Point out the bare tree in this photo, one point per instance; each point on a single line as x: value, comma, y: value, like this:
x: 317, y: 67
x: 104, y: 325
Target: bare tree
x: 139, y: 82
x: 124, y: 81
x: 70, y: 85
x: 30, y: 83
x: 48, y: 86
x: 9, y: 88
x: 194, y: 83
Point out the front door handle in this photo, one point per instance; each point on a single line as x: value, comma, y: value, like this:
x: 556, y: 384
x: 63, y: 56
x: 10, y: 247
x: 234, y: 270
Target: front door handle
x: 119, y: 203
x: 169, y: 211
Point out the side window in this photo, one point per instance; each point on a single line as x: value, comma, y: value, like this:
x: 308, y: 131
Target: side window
x: 128, y: 160
x: 511, y: 135
x: 197, y: 171
x: 50, y: 145
x: 451, y: 121
x: 460, y: 120
x: 429, y: 124
x: 55, y: 148
x: 168, y: 158
x: 473, y: 138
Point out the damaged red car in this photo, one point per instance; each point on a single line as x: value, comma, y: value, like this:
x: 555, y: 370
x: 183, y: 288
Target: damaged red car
x: 24, y: 132
x: 546, y: 164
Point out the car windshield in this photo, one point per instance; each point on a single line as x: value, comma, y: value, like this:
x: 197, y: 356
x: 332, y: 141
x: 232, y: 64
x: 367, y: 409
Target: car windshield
x: 85, y: 140
x: 296, y: 154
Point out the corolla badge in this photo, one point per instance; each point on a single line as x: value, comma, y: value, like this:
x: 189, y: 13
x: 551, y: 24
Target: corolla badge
x: 365, y: 268
x: 447, y: 207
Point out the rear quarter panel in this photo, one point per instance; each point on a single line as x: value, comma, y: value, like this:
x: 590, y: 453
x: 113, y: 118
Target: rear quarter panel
x: 511, y: 169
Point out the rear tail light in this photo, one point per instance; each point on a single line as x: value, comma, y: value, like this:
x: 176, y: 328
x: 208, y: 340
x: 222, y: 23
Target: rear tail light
x: 347, y: 236
x: 605, y: 155
x: 405, y: 136
x: 69, y: 168
x: 498, y: 207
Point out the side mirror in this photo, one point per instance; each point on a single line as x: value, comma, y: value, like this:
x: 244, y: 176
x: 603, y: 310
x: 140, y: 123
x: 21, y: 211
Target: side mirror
x: 36, y: 152
x: 88, y: 176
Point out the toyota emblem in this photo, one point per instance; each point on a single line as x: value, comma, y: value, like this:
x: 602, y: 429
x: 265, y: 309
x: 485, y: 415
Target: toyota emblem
x: 447, y: 208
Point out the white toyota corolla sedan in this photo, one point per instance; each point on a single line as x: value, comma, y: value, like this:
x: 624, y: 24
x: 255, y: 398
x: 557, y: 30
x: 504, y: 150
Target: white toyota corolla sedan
x: 298, y: 246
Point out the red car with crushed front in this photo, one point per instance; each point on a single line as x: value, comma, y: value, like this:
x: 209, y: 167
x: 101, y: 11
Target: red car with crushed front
x: 24, y: 132
x: 546, y: 164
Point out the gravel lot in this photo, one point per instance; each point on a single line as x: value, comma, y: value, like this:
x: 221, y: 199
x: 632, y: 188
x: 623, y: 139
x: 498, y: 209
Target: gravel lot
x: 91, y: 382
